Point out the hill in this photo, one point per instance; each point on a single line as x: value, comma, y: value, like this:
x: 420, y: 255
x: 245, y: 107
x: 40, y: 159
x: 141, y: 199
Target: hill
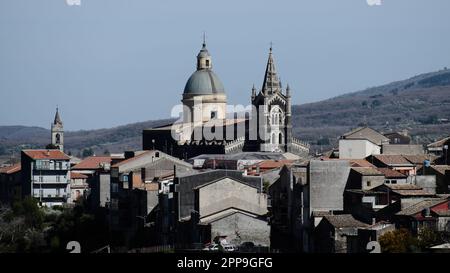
x: 420, y: 104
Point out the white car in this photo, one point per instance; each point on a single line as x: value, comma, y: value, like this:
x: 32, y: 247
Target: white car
x: 212, y: 247
x: 229, y: 248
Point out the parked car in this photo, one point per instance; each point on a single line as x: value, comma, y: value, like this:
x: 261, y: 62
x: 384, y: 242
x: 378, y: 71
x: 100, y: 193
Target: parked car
x: 211, y: 247
x: 247, y: 247
x: 229, y: 248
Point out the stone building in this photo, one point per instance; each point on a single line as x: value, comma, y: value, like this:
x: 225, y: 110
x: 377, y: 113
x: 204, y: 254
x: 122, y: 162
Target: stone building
x: 206, y: 128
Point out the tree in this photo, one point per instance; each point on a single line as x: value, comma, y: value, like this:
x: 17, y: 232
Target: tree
x: 375, y: 103
x: 51, y: 146
x: 29, y: 209
x: 428, y: 237
x: 87, y: 152
x: 397, y: 241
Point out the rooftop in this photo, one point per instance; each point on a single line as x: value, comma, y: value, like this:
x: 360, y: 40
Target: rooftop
x: 441, y: 168
x: 367, y: 171
x: 344, y: 221
x: 366, y: 133
x: 11, y: 169
x: 360, y: 163
x: 46, y: 154
x: 407, y: 190
x: 392, y: 160
x: 92, y: 163
x: 389, y: 173
x: 420, y: 206
x: 418, y: 159
x: 75, y: 175
x: 439, y: 143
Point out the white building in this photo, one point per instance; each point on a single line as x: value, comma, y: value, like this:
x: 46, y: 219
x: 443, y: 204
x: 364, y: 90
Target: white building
x: 46, y: 176
x: 360, y: 143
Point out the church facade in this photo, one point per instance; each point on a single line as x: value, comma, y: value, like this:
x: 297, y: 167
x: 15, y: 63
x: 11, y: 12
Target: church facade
x: 206, y: 128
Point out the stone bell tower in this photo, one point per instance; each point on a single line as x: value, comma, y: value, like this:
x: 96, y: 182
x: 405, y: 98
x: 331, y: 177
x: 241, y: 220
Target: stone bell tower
x: 58, y: 132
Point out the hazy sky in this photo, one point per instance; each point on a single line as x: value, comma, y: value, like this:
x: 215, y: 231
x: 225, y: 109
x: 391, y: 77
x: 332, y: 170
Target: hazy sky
x: 112, y: 62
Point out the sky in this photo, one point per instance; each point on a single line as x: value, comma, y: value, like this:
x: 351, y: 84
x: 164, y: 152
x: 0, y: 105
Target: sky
x: 111, y: 62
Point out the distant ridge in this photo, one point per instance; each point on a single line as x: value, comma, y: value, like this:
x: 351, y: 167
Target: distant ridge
x: 420, y: 104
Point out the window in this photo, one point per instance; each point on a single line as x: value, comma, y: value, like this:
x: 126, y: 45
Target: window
x: 393, y: 181
x: 114, y: 187
x: 58, y: 191
x: 58, y: 178
x: 280, y: 141
x: 207, y: 63
x: 213, y: 114
x: 58, y: 139
x: 60, y: 166
x: 368, y: 183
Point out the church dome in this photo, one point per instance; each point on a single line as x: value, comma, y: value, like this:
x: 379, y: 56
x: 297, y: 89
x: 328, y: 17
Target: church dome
x: 203, y: 82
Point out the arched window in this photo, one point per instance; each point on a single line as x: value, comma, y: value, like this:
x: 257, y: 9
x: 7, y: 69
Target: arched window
x: 58, y: 139
x: 280, y: 141
x: 276, y: 116
x: 207, y: 63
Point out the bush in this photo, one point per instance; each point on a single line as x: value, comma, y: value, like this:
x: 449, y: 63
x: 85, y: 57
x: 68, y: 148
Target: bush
x: 397, y: 241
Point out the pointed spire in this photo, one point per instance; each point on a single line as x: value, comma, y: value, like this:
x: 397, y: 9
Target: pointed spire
x: 271, y: 82
x: 253, y: 91
x: 204, y: 39
x: 57, y: 117
x: 288, y: 90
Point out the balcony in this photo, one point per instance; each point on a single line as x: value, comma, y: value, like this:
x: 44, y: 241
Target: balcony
x: 51, y: 181
x: 47, y: 196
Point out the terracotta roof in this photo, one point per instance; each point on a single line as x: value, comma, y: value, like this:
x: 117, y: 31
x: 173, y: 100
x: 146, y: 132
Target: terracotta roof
x: 344, y: 221
x: 420, y: 206
x: 417, y: 159
x: 367, y: 171
x: 273, y: 164
x: 441, y: 168
x: 46, y: 154
x: 11, y: 169
x: 132, y: 158
x: 389, y: 173
x: 438, y: 143
x: 360, y: 163
x: 92, y: 163
x: 393, y: 160
x: 75, y: 175
x: 151, y: 186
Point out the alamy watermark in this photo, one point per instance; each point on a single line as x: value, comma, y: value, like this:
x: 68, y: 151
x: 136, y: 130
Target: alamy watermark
x: 73, y: 2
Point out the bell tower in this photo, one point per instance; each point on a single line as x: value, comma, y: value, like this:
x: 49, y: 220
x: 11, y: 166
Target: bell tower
x: 58, y: 132
x: 273, y: 111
